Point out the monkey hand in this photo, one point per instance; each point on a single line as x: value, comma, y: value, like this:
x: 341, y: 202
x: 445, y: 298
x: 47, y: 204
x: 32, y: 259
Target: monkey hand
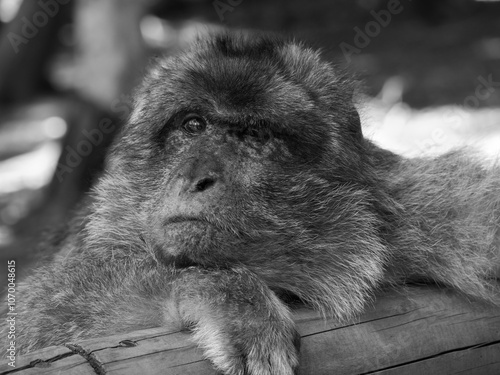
x: 240, y: 323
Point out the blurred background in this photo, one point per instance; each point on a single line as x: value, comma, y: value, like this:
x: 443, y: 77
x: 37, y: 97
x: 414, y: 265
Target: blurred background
x: 68, y: 68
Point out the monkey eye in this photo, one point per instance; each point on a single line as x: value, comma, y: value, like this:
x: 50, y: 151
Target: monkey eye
x: 193, y: 124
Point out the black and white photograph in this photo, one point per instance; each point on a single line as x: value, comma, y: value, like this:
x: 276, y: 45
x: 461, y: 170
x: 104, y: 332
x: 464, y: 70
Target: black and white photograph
x: 250, y: 187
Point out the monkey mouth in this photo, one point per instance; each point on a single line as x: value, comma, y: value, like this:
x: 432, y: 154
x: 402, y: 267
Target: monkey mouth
x: 180, y: 219
x: 186, y: 241
x: 179, y: 261
x: 180, y: 232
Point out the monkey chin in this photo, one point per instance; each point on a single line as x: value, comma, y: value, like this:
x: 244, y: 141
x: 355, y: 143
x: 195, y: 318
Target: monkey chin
x: 186, y: 242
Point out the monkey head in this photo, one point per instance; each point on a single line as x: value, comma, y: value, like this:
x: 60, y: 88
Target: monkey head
x: 241, y: 150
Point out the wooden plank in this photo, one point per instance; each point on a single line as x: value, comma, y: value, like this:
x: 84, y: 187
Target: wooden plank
x: 478, y: 360
x: 144, y: 352
x: 399, y: 329
x: 51, y: 360
x: 411, y: 332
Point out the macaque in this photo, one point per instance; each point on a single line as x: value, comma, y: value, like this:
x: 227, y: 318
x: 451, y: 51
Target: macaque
x: 241, y: 177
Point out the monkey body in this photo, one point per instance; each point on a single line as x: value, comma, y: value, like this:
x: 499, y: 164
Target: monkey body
x: 243, y: 175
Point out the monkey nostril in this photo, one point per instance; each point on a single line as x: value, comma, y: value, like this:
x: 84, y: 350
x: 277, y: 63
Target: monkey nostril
x: 204, y: 184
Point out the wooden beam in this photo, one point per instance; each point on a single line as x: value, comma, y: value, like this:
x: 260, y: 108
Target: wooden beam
x: 419, y: 330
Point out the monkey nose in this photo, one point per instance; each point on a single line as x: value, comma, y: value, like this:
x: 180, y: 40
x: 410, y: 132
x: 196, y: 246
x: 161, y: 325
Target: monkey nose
x: 187, y: 188
x: 203, y: 184
x: 200, y: 176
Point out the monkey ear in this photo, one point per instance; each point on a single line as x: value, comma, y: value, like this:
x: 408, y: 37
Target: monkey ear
x: 342, y: 98
x: 354, y: 123
x: 344, y: 90
x: 353, y: 117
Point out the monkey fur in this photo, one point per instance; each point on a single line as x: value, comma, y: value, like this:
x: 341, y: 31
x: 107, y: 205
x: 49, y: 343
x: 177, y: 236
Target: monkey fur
x: 241, y: 176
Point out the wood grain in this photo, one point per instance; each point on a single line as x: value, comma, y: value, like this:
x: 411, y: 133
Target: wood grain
x: 419, y: 330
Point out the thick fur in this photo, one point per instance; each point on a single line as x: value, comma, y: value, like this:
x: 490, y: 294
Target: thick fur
x: 298, y: 202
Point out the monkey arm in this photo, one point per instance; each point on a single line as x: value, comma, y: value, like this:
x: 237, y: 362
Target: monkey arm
x: 240, y: 323
x: 86, y: 296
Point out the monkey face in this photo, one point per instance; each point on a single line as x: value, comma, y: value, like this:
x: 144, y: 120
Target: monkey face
x: 212, y: 168
x: 235, y: 146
